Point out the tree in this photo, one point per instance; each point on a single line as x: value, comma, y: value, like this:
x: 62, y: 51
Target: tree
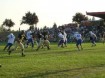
x: 55, y: 26
x: 45, y: 27
x: 30, y: 19
x: 79, y: 17
x: 8, y: 23
x: 1, y: 28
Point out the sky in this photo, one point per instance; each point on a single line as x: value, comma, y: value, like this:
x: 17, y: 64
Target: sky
x: 48, y: 11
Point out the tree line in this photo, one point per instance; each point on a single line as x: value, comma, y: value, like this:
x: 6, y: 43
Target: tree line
x: 29, y: 18
x: 32, y: 19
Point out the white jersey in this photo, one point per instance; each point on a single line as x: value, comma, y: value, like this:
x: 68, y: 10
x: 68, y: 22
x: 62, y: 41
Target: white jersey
x: 93, y: 35
x: 77, y: 36
x: 61, y: 36
x: 11, y: 38
x: 65, y: 36
x: 28, y: 35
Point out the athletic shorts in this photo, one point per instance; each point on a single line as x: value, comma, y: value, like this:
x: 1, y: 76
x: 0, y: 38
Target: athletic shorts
x: 79, y: 41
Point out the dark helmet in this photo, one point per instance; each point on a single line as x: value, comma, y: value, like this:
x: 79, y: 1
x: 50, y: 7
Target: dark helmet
x: 22, y: 32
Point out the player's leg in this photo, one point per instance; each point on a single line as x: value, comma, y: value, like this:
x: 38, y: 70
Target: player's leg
x: 47, y: 43
x: 14, y: 48
x: 6, y: 46
x: 40, y: 44
x: 32, y: 43
x: 10, y: 45
x: 77, y: 45
x: 27, y: 43
x: 81, y: 46
x: 22, y: 48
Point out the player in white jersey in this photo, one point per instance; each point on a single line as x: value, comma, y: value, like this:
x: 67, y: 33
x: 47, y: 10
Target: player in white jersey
x: 78, y: 39
x: 93, y: 38
x: 61, y: 37
x: 11, y: 39
x: 29, y: 37
x: 65, y: 38
x: 103, y: 37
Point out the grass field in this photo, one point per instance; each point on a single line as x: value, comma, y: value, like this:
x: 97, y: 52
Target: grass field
x: 55, y: 63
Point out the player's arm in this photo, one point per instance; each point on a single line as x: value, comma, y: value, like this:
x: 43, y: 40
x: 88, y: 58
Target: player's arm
x: 74, y: 38
x: 95, y: 36
x: 19, y: 38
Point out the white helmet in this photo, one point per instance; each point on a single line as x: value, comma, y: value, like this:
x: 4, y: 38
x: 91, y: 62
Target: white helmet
x: 11, y: 33
x: 76, y: 32
x: 90, y: 32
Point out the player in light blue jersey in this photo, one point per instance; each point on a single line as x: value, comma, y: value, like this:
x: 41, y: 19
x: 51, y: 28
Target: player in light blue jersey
x: 78, y: 39
x: 11, y: 39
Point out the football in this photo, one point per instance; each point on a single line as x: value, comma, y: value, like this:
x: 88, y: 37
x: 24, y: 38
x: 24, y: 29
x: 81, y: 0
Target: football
x: 0, y: 65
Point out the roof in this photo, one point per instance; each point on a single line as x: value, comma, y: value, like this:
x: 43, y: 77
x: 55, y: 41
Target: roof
x: 97, y: 14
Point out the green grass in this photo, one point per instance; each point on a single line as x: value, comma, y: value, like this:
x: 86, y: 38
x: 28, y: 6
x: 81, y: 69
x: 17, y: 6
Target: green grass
x: 55, y: 63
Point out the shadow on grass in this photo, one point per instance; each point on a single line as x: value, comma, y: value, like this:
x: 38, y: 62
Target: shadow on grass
x: 6, y: 56
x: 41, y: 53
x: 60, y: 52
x: 61, y: 71
x: 57, y: 52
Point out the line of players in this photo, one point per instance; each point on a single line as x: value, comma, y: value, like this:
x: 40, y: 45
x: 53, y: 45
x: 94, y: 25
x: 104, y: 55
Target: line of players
x: 77, y: 37
x: 24, y: 39
x: 42, y: 39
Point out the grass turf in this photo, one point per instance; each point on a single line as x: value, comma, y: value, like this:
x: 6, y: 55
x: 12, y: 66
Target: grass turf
x: 55, y: 63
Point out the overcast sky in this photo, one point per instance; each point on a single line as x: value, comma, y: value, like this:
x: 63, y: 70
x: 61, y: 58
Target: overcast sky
x: 48, y: 11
